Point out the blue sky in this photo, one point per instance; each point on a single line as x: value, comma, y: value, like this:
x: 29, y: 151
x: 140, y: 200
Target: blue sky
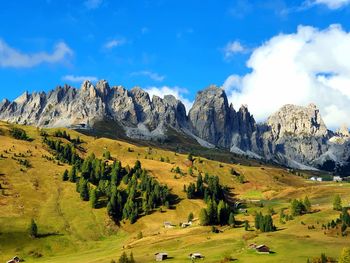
x: 181, y: 45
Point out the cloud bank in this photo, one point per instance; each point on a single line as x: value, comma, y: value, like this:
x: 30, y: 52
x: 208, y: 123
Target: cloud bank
x: 331, y: 4
x: 114, y: 43
x: 10, y: 57
x: 79, y: 79
x: 233, y: 48
x: 310, y: 65
x: 152, y: 75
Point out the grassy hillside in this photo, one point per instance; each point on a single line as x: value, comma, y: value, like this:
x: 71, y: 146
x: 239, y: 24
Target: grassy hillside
x: 71, y: 231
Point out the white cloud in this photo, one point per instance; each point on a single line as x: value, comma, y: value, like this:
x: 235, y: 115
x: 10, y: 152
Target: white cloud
x: 175, y: 91
x: 233, y: 48
x: 310, y: 65
x: 152, y: 75
x: 79, y: 79
x: 114, y: 43
x: 10, y: 57
x: 93, y: 4
x: 331, y: 4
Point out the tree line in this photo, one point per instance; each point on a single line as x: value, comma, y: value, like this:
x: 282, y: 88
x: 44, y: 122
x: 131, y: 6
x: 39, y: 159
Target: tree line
x: 218, y: 211
x: 130, y: 192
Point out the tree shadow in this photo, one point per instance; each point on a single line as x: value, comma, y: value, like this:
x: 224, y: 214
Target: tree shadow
x: 43, y: 235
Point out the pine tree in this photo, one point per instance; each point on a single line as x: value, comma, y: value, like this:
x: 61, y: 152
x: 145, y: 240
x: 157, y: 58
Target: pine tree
x: 137, y: 165
x: 203, y: 217
x: 191, y: 189
x: 337, y: 204
x: 131, y: 260
x: 73, y: 174
x: 93, y: 198
x: 190, y: 217
x: 123, y: 258
x: 190, y: 157
x: 345, y: 217
x: 212, y: 212
x: 84, y: 190
x: 222, y: 213
x: 307, y: 204
x: 231, y: 220
x: 246, y: 225
x: 200, y: 186
x: 33, y: 229
x: 65, y: 176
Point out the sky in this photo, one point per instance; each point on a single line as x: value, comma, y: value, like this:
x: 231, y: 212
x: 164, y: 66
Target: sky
x: 264, y: 53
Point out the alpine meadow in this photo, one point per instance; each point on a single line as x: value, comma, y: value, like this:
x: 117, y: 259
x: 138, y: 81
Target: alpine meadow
x: 176, y: 131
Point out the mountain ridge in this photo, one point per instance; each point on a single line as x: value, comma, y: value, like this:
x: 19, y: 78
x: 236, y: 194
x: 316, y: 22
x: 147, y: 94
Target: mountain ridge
x: 295, y: 136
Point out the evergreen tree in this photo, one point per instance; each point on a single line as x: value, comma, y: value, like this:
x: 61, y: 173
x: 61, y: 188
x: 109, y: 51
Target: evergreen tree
x: 93, y: 198
x: 264, y: 223
x: 191, y: 189
x: 231, y: 220
x: 307, y: 204
x: 222, y: 213
x: 137, y: 165
x: 337, y: 203
x: 110, y: 211
x: 345, y: 217
x: 344, y: 256
x: 203, y: 217
x: 212, y: 212
x: 131, y: 260
x: 33, y: 229
x: 246, y: 225
x: 107, y: 155
x: 297, y: 207
x: 65, y: 175
x: 200, y: 186
x: 190, y: 157
x: 190, y: 217
x: 84, y: 190
x: 73, y: 174
x: 123, y: 258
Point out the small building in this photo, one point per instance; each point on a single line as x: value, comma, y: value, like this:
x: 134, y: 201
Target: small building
x: 262, y: 249
x: 315, y: 178
x: 160, y: 256
x: 14, y: 260
x: 186, y: 224
x: 196, y: 256
x: 168, y: 225
x: 337, y: 178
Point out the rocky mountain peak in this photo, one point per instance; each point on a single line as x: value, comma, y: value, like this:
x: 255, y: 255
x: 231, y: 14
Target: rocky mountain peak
x: 103, y: 88
x: 23, y: 98
x: 297, y: 121
x: 210, y: 116
x: 343, y: 131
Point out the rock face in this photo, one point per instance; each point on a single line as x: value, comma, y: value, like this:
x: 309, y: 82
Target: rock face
x: 211, y: 117
x: 70, y: 107
x: 295, y: 136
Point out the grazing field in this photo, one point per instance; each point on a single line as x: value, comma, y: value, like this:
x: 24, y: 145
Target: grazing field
x: 70, y: 230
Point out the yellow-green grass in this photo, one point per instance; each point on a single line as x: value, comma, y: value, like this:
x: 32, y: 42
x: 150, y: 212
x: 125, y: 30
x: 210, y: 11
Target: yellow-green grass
x: 71, y: 231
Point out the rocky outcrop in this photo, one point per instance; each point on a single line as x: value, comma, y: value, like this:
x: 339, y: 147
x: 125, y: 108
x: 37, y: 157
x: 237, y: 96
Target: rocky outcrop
x: 211, y: 117
x: 294, y: 135
x: 70, y: 107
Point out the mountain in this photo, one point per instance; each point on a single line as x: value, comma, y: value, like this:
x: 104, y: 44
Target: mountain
x: 295, y: 136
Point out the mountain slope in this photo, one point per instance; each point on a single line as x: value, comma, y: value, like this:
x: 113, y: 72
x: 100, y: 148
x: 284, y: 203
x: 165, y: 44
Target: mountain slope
x: 71, y: 231
x: 295, y: 136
